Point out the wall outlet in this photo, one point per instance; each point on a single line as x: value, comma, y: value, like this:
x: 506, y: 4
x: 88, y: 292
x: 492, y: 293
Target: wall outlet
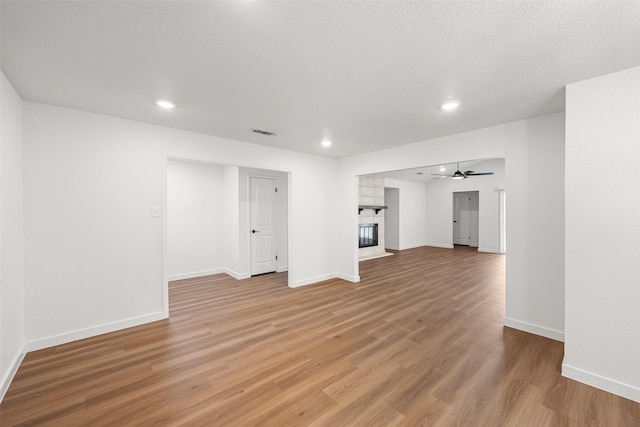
x: 155, y: 212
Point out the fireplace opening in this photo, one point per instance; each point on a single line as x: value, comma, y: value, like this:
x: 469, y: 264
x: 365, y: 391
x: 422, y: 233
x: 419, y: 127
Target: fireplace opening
x: 368, y: 234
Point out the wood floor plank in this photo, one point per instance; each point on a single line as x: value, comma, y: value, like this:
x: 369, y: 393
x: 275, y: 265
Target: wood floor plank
x: 418, y: 341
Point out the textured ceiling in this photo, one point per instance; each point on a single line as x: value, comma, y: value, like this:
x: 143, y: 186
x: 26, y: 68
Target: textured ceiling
x: 368, y: 75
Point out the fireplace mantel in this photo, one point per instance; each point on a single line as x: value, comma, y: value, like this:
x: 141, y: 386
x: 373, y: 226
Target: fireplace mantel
x: 374, y: 207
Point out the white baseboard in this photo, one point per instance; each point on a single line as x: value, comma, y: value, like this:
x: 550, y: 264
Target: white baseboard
x: 534, y: 329
x: 282, y: 269
x: 311, y: 280
x: 228, y: 271
x: 8, y: 377
x: 603, y: 383
x: 438, y: 245
x: 374, y: 256
x: 196, y: 274
x: 488, y: 250
x: 348, y: 277
x: 235, y: 274
x: 92, y: 332
x: 412, y: 246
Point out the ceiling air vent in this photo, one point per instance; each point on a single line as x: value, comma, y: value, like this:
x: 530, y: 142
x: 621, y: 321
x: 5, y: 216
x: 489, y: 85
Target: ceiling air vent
x: 263, y: 132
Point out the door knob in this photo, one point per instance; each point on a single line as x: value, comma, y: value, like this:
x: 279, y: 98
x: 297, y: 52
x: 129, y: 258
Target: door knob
x: 254, y: 231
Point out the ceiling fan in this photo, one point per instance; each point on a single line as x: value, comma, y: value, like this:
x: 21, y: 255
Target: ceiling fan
x: 462, y: 175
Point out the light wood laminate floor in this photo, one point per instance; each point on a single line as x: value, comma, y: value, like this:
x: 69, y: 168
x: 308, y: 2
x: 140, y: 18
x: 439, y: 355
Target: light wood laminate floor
x: 419, y: 341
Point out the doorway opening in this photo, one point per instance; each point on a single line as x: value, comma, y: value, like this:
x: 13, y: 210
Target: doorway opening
x: 208, y: 221
x: 466, y: 206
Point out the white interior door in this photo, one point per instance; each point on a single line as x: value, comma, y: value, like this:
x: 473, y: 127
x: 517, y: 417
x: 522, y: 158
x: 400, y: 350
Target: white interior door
x: 263, y: 236
x: 461, y: 217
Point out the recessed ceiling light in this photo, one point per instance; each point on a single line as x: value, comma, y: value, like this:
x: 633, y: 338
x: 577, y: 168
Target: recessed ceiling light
x: 419, y: 173
x: 165, y: 104
x: 450, y: 105
x: 442, y: 169
x: 326, y: 143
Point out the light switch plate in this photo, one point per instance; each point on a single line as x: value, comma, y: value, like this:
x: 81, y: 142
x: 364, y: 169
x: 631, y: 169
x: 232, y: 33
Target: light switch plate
x: 155, y: 212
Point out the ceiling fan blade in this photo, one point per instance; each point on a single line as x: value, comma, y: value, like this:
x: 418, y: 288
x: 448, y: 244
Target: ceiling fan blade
x: 439, y: 174
x: 468, y: 172
x: 479, y: 173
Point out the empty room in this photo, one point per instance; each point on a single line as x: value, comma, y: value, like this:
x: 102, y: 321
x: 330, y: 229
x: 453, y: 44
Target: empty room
x: 319, y: 213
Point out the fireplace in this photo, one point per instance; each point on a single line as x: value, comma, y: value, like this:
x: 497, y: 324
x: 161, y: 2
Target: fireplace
x: 368, y: 235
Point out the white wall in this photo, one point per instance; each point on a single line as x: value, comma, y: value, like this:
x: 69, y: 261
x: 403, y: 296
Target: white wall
x: 231, y: 215
x: 439, y: 216
x: 12, y: 335
x: 412, y: 211
x: 535, y: 228
x: 535, y: 275
x: 195, y: 219
x: 392, y: 217
x: 602, y: 345
x: 93, y: 254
